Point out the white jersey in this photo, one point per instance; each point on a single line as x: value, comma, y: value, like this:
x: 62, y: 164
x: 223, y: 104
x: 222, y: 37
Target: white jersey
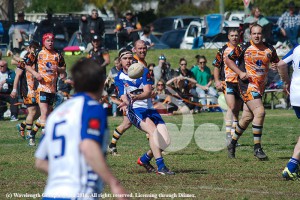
x: 69, y: 175
x: 293, y: 58
x: 128, y: 85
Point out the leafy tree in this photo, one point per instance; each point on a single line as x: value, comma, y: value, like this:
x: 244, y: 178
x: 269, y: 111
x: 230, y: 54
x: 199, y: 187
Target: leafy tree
x: 57, y: 6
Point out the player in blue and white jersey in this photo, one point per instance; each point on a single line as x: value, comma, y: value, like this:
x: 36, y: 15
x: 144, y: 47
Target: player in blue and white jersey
x: 136, y: 97
x: 72, y: 151
x: 291, y: 171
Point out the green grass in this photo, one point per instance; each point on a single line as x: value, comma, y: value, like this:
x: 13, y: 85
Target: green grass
x: 206, y: 174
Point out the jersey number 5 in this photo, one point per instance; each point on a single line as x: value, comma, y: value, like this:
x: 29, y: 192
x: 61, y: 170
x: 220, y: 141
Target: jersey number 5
x: 62, y: 138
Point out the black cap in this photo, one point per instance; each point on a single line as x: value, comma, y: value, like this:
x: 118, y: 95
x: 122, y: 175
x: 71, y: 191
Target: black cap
x: 291, y: 4
x: 97, y: 37
x: 20, y: 14
x: 128, y: 12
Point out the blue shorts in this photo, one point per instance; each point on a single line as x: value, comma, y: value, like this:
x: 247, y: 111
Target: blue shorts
x: 297, y: 111
x: 137, y: 115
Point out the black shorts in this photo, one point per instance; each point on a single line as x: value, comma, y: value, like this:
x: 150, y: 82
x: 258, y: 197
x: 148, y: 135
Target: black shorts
x: 45, y: 97
x: 233, y: 89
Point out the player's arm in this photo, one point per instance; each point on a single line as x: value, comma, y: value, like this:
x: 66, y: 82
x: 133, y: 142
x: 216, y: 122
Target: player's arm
x: 230, y: 62
x: 147, y: 91
x: 14, y: 92
x: 106, y: 60
x: 42, y: 165
x: 95, y: 158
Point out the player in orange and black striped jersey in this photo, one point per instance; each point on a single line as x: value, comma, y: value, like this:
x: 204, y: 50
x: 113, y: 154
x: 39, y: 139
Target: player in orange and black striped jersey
x: 226, y: 80
x: 254, y: 58
x: 27, y: 89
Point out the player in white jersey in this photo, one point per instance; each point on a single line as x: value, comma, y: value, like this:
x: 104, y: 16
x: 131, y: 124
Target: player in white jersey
x: 136, y: 97
x: 291, y: 171
x: 72, y: 150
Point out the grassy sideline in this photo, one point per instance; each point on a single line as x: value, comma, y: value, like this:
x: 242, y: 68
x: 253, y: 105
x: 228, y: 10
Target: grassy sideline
x: 200, y: 173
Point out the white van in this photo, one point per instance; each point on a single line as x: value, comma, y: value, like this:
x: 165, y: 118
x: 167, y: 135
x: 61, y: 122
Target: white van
x: 197, y: 28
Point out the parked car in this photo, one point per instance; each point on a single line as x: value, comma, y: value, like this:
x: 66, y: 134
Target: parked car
x: 173, y: 38
x: 197, y: 28
x: 171, y: 23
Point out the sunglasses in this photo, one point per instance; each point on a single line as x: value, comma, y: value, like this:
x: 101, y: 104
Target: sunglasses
x: 202, y: 62
x: 183, y: 64
x: 94, y: 13
x: 2, y: 65
x: 160, y: 84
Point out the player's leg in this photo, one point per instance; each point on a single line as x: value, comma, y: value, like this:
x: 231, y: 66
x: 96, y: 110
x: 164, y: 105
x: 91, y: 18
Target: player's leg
x: 258, y: 110
x: 247, y: 117
x: 229, y: 97
x: 291, y: 171
x: 158, y: 140
x: 118, y: 132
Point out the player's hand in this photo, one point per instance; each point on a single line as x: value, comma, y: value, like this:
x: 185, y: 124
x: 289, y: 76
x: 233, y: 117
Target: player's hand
x: 38, y: 76
x: 243, y: 76
x: 274, y: 66
x: 13, y: 94
x: 133, y: 97
x: 219, y: 85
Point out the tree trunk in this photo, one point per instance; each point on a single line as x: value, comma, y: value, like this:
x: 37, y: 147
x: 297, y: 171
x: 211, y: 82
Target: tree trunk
x: 4, y: 10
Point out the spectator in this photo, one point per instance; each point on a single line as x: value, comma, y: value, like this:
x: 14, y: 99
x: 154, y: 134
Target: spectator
x: 128, y: 29
x: 203, y: 77
x: 94, y: 26
x: 98, y: 53
x: 7, y: 77
x: 151, y: 68
x: 162, y: 70
x: 20, y: 31
x: 64, y: 85
x: 289, y: 23
x: 255, y: 18
x: 184, y: 84
x: 110, y: 84
x: 147, y: 30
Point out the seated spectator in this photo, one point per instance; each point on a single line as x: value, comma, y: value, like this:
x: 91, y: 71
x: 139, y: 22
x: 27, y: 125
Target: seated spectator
x: 289, y: 24
x: 110, y: 85
x: 147, y: 30
x: 20, y: 31
x: 203, y: 77
x: 151, y: 68
x: 127, y: 29
x: 183, y: 71
x: 90, y: 26
x: 64, y: 85
x: 163, y: 70
x: 7, y: 77
x: 254, y: 18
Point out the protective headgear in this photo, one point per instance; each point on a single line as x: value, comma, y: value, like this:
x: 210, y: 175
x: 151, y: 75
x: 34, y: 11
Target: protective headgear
x: 47, y: 36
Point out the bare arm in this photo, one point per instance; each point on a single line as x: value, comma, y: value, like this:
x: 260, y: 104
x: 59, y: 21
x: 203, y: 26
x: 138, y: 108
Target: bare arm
x: 13, y: 93
x: 217, y: 78
x: 42, y: 165
x: 144, y: 95
x: 283, y: 71
x: 33, y: 72
x: 231, y: 64
x: 106, y: 60
x: 95, y: 158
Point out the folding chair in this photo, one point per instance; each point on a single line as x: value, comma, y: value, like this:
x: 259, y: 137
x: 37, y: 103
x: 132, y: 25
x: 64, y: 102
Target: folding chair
x: 214, y: 27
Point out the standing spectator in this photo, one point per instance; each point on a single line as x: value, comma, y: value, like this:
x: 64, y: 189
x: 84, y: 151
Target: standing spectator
x: 147, y: 30
x: 289, y: 23
x: 127, y: 29
x: 98, y: 53
x: 7, y: 77
x: 20, y: 31
x: 203, y: 77
x: 90, y: 26
x: 77, y: 131
x: 162, y: 70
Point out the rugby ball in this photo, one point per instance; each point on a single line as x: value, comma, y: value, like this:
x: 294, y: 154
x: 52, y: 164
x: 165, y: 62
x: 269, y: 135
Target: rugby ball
x: 222, y: 102
x: 136, y: 71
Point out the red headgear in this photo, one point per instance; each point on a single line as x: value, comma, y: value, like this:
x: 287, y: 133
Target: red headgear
x: 47, y: 36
